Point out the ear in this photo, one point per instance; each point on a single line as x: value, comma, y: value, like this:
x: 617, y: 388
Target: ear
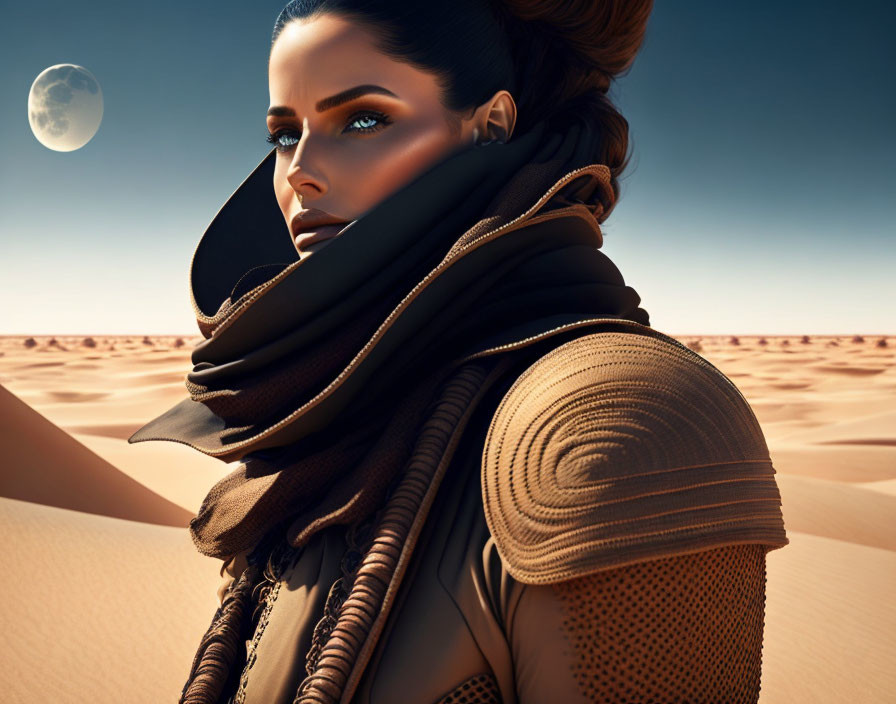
x: 496, y: 117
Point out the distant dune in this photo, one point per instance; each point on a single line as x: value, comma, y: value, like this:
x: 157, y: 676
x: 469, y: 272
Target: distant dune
x: 95, y: 604
x: 45, y: 465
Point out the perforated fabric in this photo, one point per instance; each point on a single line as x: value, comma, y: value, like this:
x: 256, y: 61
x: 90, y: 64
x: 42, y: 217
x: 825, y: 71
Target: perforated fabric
x: 480, y: 689
x: 680, y: 629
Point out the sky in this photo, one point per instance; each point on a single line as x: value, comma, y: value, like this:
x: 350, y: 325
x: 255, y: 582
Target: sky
x: 759, y: 198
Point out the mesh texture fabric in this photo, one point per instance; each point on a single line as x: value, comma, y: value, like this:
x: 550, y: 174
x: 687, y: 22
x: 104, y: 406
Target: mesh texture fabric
x: 679, y: 629
x: 479, y: 689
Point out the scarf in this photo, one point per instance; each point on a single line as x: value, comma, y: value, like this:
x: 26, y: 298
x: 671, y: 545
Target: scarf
x: 336, y: 377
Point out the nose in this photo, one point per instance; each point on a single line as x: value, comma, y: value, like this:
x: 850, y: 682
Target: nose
x: 304, y: 174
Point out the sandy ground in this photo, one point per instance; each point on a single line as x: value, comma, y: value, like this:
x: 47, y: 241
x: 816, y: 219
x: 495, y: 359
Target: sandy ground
x: 106, y: 598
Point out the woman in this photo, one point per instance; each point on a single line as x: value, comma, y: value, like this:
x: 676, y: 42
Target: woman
x: 470, y: 470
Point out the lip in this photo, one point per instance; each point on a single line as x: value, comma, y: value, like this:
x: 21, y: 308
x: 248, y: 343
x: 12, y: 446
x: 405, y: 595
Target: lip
x: 324, y: 232
x: 311, y: 219
x: 310, y: 226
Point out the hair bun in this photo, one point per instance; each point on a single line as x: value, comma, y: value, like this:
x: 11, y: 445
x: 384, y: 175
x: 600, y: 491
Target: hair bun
x: 604, y: 35
x: 566, y: 53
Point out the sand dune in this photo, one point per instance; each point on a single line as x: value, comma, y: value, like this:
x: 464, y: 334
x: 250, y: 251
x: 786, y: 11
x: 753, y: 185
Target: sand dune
x: 836, y: 510
x: 43, y: 464
x: 844, y: 463
x: 830, y: 619
x: 174, y: 471
x: 138, y: 382
x: 887, y: 486
x: 827, y: 407
x: 871, y: 425
x: 98, y: 609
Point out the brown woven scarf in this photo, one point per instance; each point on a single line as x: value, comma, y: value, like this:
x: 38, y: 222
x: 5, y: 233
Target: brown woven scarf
x: 332, y: 377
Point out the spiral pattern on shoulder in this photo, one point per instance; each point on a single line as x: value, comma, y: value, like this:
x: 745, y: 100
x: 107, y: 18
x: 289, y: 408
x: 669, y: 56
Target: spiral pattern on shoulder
x: 616, y: 448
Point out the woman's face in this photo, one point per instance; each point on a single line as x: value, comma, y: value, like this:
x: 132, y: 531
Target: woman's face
x: 351, y: 125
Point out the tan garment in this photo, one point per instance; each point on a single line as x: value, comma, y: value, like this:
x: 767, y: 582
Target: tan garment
x: 333, y: 377
x: 572, y: 625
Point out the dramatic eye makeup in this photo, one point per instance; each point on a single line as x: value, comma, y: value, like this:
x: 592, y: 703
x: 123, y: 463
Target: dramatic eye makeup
x: 361, y: 122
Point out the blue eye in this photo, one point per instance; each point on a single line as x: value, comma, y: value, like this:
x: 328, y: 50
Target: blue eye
x: 284, y: 140
x: 367, y: 122
x: 361, y: 122
x: 368, y: 118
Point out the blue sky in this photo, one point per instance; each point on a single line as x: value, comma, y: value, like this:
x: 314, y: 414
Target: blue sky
x: 759, y: 199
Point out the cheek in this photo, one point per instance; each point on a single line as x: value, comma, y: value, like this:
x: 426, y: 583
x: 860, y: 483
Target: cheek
x: 360, y: 173
x: 282, y: 189
x: 389, y: 161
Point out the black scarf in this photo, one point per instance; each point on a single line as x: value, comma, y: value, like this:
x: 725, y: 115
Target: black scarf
x: 308, y: 365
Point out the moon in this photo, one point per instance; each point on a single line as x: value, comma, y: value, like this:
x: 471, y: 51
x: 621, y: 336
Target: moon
x: 65, y: 107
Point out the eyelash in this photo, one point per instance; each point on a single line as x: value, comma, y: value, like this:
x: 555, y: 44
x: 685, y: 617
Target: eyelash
x: 381, y: 117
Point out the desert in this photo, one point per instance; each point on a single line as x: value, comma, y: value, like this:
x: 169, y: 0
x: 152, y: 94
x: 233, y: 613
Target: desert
x: 105, y: 593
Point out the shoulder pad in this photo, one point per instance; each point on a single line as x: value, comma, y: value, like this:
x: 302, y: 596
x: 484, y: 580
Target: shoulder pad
x: 617, y: 448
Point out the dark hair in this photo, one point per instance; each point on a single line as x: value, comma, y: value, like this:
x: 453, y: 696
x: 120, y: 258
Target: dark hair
x: 555, y: 57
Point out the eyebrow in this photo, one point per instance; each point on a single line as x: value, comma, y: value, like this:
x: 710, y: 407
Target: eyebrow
x: 334, y: 100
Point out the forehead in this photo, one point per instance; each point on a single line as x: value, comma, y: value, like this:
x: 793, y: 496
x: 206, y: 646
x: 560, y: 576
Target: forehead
x: 312, y: 59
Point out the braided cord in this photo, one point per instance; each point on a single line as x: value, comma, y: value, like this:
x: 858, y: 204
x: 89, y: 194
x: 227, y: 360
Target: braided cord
x: 358, y: 539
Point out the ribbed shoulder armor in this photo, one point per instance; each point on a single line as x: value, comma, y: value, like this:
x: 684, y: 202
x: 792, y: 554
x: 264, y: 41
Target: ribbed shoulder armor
x: 621, y: 447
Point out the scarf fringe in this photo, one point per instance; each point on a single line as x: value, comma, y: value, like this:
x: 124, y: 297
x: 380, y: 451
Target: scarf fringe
x: 362, y: 616
x: 338, y: 664
x: 222, y: 642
